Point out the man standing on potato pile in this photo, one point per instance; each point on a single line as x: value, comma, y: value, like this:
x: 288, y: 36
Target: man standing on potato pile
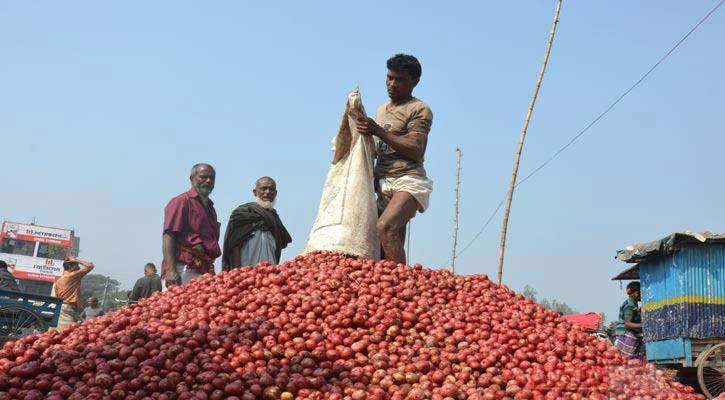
x: 401, y: 128
x: 255, y: 232
x: 191, y: 230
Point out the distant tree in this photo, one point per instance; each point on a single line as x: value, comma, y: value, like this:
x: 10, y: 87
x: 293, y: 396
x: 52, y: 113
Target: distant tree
x: 116, y: 300
x: 96, y: 285
x: 560, y: 307
x: 529, y: 292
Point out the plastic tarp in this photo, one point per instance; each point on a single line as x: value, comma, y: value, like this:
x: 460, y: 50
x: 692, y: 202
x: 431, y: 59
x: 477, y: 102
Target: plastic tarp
x: 589, y: 321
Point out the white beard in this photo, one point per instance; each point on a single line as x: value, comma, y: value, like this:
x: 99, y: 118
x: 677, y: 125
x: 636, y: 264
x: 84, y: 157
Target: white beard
x: 204, y: 192
x: 267, y: 205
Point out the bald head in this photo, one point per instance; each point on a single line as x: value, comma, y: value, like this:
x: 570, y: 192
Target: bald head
x: 265, y: 180
x: 265, y: 189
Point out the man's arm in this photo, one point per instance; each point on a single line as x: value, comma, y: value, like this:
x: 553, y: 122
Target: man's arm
x: 632, y: 326
x: 628, y: 315
x: 87, y: 267
x: 176, y: 217
x: 411, y: 146
x: 171, y: 276
x: 136, y: 292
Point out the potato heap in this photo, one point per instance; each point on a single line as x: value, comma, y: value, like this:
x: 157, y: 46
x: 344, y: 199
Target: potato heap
x: 327, y: 326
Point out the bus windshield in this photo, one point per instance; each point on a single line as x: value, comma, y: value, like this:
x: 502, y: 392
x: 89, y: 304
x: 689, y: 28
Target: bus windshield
x: 17, y: 246
x: 53, y: 251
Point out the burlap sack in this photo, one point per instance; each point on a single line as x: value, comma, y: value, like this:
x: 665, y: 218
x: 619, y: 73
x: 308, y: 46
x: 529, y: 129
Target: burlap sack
x: 347, y: 215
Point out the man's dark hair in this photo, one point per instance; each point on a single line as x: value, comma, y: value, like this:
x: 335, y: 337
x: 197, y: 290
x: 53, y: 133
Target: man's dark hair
x: 3, y: 264
x: 150, y: 266
x: 405, y: 62
x: 633, y: 287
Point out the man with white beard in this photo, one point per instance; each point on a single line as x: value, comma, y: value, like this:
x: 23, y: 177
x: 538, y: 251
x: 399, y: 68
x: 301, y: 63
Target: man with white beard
x: 190, y: 241
x: 255, y: 232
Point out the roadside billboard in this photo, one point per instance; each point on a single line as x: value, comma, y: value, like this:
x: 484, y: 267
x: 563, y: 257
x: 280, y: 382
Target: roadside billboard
x: 34, y: 252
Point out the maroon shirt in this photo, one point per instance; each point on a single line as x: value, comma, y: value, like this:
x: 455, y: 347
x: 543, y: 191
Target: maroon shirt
x: 193, y: 223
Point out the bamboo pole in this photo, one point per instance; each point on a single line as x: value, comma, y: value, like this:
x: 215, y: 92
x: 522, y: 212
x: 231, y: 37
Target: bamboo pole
x: 521, y: 144
x: 407, y: 243
x: 455, y: 223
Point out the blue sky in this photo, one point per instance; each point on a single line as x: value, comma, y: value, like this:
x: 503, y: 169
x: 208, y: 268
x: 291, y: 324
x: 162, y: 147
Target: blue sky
x: 106, y: 106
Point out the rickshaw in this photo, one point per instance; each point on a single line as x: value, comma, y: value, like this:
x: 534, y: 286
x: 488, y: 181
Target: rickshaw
x: 24, y: 314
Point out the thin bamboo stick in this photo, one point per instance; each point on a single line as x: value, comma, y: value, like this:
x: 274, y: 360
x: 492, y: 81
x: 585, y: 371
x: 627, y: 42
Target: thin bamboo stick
x: 455, y: 223
x: 521, y: 144
x: 407, y: 243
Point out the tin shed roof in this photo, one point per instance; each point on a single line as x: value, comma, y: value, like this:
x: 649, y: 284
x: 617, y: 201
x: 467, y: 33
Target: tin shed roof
x: 641, y: 251
x: 629, y: 274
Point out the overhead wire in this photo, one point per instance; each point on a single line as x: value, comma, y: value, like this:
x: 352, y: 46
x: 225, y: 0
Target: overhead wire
x: 593, y: 122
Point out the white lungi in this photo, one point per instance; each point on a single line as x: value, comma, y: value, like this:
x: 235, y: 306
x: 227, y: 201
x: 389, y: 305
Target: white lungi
x: 418, y: 187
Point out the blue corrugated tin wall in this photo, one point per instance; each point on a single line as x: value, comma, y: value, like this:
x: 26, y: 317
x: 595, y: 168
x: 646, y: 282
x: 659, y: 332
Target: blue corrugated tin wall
x: 659, y: 282
x: 683, y: 294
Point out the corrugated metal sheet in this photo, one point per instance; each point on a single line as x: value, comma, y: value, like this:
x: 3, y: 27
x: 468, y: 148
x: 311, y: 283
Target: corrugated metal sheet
x: 631, y: 273
x: 683, y: 293
x: 642, y: 251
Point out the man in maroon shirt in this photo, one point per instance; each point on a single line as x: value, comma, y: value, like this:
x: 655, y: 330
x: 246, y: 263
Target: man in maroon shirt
x: 191, y: 230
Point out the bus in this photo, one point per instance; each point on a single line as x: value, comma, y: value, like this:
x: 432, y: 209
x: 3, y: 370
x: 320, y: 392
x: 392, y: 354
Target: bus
x: 35, y: 254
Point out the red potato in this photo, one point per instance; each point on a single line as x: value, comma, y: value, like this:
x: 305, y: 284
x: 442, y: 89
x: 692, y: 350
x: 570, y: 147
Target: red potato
x: 325, y: 326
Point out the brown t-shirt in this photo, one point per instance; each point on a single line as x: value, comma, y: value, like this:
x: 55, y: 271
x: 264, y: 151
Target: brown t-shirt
x: 68, y: 287
x: 411, y: 116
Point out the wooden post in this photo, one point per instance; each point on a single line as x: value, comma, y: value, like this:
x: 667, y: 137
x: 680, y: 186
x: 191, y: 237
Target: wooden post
x: 455, y: 223
x: 105, y: 288
x: 521, y: 145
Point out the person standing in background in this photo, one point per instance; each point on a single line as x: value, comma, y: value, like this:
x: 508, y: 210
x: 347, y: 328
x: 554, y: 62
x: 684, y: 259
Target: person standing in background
x: 147, y: 285
x: 629, y: 325
x: 68, y: 289
x: 7, y: 280
x: 92, y: 311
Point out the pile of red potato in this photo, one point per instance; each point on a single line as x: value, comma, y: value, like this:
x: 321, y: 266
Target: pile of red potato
x: 325, y: 326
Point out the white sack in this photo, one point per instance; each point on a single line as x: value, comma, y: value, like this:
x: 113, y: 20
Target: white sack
x: 348, y: 212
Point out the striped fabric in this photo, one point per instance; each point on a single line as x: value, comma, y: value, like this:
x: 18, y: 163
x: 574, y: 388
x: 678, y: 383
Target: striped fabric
x: 630, y: 345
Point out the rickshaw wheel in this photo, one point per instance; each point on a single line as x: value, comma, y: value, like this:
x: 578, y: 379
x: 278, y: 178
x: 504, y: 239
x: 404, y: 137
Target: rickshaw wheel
x: 17, y: 322
x: 711, y: 371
